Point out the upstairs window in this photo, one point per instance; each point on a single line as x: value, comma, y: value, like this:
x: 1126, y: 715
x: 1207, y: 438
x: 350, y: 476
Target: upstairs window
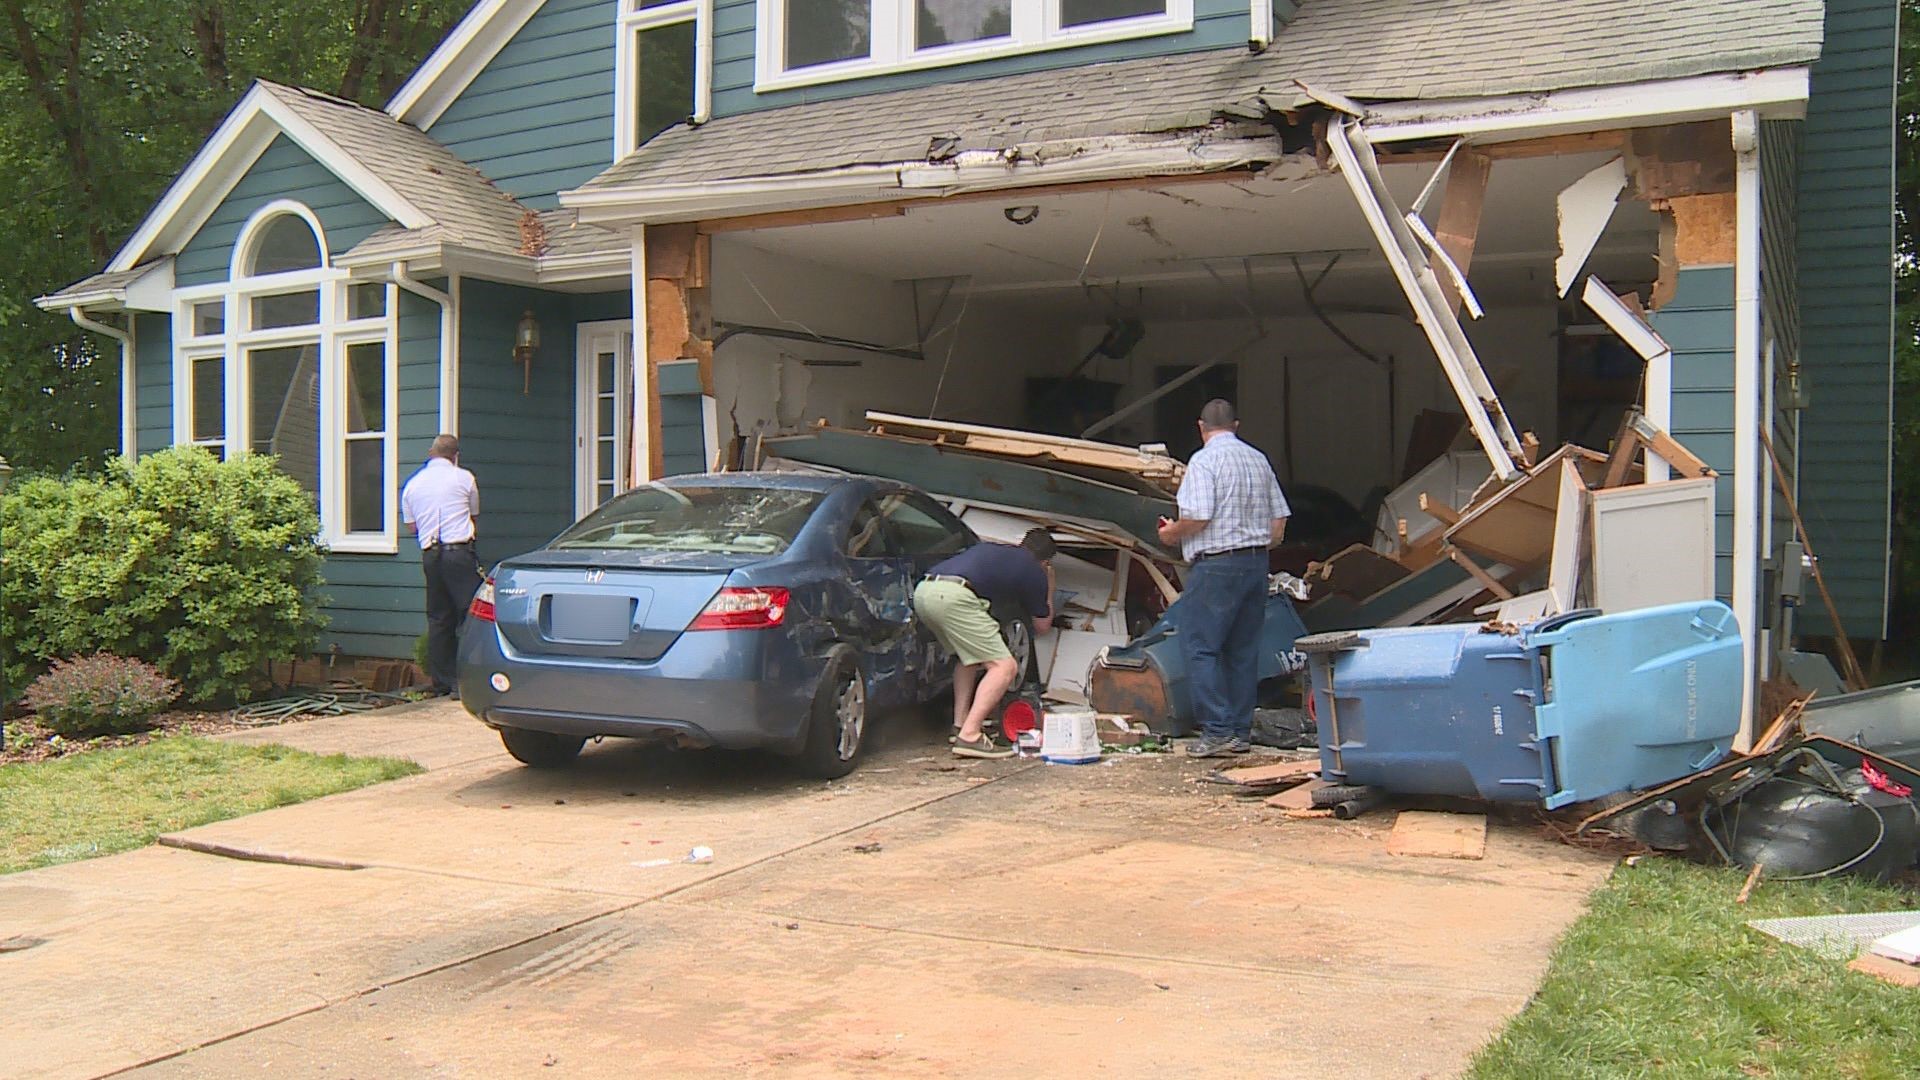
x: 664, y: 74
x: 803, y: 42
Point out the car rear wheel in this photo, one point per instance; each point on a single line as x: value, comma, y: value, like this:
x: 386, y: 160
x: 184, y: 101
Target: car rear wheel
x: 540, y: 749
x: 837, y: 723
x: 1018, y: 633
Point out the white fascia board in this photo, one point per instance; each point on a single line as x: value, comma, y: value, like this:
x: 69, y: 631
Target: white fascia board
x: 468, y: 49
x: 229, y: 152
x: 151, y: 291
x: 1777, y: 93
x: 110, y: 299
x: 973, y: 171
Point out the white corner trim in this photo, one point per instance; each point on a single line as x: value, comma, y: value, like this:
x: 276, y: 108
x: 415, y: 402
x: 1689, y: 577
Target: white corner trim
x: 1749, y: 473
x: 1778, y: 93
x: 468, y: 49
x: 225, y: 158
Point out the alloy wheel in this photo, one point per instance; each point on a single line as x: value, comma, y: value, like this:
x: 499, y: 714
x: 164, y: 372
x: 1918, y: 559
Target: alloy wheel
x: 850, y: 708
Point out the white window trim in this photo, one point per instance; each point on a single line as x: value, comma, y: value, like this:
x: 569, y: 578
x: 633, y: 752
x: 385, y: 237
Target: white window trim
x: 331, y: 334
x: 1036, y: 28
x: 626, y: 94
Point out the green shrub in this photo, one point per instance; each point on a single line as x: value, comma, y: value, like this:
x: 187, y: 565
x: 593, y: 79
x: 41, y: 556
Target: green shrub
x: 421, y: 649
x: 207, y: 569
x: 99, y: 695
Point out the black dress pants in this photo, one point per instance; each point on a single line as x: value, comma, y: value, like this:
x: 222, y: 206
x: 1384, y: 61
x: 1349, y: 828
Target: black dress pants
x: 453, y: 576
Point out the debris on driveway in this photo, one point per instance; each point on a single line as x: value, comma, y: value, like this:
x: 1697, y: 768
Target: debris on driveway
x: 1422, y: 833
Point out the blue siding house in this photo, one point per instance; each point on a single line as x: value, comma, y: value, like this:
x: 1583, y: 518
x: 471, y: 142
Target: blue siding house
x: 731, y: 218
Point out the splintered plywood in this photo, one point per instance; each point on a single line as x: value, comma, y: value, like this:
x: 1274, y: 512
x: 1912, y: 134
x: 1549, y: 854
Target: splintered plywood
x: 1423, y: 833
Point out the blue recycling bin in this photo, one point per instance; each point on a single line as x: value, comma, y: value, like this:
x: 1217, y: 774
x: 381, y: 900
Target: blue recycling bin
x: 1567, y: 709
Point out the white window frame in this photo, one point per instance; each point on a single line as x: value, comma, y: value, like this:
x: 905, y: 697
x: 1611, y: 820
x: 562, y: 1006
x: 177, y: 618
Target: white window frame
x: 1036, y: 28
x: 626, y: 51
x: 330, y: 335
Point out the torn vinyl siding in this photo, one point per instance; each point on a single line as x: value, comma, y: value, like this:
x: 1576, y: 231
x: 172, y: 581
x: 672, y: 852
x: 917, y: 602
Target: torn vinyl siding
x: 152, y: 382
x: 284, y: 171
x: 683, y: 420
x: 1216, y: 24
x: 538, y: 119
x: 520, y: 447
x: 1698, y: 324
x: 376, y: 604
x: 1846, y: 310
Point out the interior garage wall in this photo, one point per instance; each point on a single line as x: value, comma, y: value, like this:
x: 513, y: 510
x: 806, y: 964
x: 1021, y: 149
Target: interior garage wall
x: 1344, y: 435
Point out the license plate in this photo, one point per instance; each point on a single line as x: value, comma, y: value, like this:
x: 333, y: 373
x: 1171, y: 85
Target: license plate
x: 589, y: 619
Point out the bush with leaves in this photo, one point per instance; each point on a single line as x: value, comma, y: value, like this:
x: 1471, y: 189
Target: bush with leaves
x: 207, y: 569
x: 99, y: 695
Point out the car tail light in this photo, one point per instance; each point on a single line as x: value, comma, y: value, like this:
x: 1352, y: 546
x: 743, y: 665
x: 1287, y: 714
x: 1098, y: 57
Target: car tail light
x: 743, y: 609
x: 482, y: 606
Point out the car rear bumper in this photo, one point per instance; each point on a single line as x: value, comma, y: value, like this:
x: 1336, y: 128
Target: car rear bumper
x: 704, y: 691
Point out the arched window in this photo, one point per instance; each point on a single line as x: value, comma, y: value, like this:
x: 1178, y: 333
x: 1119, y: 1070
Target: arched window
x: 285, y: 243
x: 294, y: 358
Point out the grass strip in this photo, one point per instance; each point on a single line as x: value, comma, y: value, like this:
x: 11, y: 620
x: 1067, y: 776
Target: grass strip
x: 1662, y: 978
x: 110, y: 801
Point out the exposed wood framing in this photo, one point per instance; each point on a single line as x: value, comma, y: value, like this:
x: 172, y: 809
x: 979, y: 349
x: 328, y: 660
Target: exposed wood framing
x: 678, y: 321
x: 1438, y: 510
x: 1684, y: 159
x: 1584, y: 143
x: 1487, y: 581
x: 1458, y: 223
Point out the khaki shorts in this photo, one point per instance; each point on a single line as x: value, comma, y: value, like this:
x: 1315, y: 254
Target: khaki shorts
x: 960, y: 620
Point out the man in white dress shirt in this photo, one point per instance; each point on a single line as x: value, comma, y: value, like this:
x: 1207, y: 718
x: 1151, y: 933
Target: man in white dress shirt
x: 440, y: 505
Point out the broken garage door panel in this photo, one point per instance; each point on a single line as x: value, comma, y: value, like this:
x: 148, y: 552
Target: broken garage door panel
x: 1585, y: 207
x: 1101, y: 460
x: 1431, y: 306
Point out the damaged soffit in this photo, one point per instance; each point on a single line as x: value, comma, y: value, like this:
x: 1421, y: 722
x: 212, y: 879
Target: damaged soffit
x: 1370, y: 50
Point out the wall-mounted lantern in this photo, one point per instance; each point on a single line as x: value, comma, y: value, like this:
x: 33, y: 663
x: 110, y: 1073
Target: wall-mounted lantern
x: 526, y: 342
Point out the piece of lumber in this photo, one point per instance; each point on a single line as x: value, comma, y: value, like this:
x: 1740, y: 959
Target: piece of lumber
x: 1515, y: 525
x: 1427, y: 834
x: 1658, y: 441
x: 1850, y: 664
x: 1267, y: 774
x: 1753, y: 878
x: 1486, y: 580
x: 1530, y: 447
x: 1886, y: 970
x: 1621, y: 460
x: 1782, y: 726
x: 1457, y: 225
x: 1299, y: 798
x: 1438, y: 510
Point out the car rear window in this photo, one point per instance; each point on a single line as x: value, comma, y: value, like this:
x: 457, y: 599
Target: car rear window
x: 730, y: 519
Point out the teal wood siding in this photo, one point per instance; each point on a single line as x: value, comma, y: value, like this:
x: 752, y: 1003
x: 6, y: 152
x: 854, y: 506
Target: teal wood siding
x: 539, y: 118
x: 284, y: 171
x: 1216, y: 24
x: 521, y: 446
x: 377, y: 603
x: 1698, y: 324
x: 683, y: 420
x: 1846, y: 309
x: 1780, y: 299
x: 153, y: 382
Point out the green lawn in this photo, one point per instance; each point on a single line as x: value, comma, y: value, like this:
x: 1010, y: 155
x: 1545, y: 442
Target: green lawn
x: 108, y: 801
x: 1662, y: 978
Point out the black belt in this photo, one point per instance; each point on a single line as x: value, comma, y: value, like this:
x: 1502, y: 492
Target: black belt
x: 448, y: 543
x: 1229, y: 551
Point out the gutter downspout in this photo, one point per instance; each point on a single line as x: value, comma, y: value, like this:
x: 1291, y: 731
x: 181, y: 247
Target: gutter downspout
x: 449, y: 341
x: 128, y: 428
x: 1748, y: 473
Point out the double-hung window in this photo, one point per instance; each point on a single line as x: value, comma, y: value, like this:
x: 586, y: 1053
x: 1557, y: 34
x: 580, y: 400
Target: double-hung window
x: 804, y: 42
x: 290, y: 357
x: 664, y: 77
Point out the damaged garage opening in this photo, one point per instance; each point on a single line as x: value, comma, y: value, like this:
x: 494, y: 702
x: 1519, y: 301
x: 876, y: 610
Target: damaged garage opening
x: 1410, y: 321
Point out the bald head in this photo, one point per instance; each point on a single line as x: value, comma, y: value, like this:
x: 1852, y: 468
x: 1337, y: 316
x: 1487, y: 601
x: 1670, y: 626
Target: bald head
x: 1217, y: 415
x: 445, y: 446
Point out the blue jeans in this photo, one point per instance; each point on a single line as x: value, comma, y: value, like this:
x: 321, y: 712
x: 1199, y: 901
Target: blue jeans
x: 1221, y: 615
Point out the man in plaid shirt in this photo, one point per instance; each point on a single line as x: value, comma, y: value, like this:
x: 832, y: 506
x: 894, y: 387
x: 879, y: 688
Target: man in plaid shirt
x: 1231, y: 512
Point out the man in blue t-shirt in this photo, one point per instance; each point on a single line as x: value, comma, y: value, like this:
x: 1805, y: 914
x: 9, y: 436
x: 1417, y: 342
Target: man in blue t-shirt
x: 955, y: 603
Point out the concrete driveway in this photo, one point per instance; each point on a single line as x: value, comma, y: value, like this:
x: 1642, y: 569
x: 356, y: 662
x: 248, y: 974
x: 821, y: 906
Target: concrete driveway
x: 1015, y: 919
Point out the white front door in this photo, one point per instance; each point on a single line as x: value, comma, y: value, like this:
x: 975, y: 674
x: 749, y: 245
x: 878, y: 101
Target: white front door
x: 603, y: 412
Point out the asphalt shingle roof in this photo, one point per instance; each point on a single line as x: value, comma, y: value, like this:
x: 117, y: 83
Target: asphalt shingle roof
x: 1370, y: 50
x: 111, y: 282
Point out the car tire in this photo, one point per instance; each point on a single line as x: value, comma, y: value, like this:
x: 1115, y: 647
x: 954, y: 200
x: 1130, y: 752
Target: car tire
x: 541, y: 749
x: 838, y: 721
x: 1018, y: 634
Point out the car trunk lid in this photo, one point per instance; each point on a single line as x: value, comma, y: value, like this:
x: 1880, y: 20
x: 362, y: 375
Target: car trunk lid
x: 613, y: 605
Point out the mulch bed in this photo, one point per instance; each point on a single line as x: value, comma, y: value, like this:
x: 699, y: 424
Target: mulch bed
x: 27, y: 741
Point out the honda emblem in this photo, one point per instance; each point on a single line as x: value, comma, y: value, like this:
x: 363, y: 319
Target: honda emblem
x: 594, y: 577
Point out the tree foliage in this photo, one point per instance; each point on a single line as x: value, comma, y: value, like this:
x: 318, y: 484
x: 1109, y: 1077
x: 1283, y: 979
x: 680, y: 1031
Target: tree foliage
x: 108, y: 99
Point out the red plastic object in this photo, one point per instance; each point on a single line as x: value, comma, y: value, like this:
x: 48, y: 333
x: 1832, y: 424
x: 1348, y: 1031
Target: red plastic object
x: 1880, y: 781
x: 1019, y: 715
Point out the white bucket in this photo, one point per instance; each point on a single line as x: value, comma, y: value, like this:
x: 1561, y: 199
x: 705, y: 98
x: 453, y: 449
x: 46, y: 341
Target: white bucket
x: 1069, y: 735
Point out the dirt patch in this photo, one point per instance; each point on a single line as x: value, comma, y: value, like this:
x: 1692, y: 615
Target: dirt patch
x: 27, y: 741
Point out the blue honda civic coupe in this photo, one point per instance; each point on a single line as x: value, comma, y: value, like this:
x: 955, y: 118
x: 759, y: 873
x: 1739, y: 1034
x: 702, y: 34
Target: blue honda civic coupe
x: 741, y: 610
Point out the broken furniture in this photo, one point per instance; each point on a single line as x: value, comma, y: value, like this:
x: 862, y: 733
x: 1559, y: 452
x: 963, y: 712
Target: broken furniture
x: 1564, y: 710
x: 1147, y: 677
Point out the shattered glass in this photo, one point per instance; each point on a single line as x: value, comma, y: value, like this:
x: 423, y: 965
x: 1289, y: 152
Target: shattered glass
x: 729, y: 520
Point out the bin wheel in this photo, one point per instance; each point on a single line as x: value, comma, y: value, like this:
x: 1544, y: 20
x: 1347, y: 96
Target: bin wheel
x: 1338, y: 641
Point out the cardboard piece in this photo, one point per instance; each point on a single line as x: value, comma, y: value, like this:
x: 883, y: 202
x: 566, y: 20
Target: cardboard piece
x: 1424, y: 833
x: 1298, y: 799
x: 1888, y: 971
x: 1297, y: 771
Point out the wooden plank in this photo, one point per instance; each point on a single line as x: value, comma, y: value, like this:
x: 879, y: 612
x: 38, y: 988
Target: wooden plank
x: 1299, y: 798
x: 1269, y: 774
x: 1625, y: 448
x: 1438, y: 510
x: 1357, y: 571
x: 670, y: 250
x: 1426, y: 834
x: 1548, y: 146
x: 1458, y: 223
x: 1886, y: 970
x: 1486, y: 580
x: 1658, y: 441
